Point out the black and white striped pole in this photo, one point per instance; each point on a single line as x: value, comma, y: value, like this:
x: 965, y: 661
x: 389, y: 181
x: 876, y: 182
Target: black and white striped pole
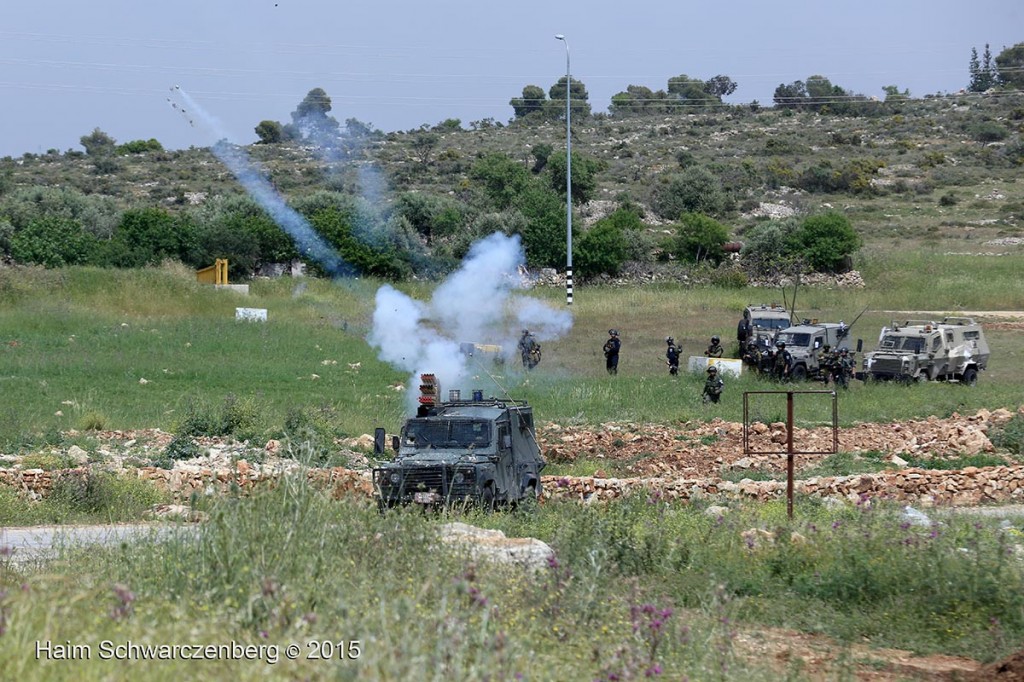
x: 568, y: 177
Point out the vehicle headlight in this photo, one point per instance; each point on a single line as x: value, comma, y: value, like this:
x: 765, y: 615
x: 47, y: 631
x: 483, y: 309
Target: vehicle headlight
x: 395, y: 477
x: 459, y: 477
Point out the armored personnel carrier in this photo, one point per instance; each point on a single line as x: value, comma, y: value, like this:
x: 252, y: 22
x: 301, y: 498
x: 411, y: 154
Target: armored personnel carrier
x: 921, y: 350
x: 478, y: 451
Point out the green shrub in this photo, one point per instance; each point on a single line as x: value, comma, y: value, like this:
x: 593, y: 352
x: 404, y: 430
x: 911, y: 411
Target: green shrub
x: 49, y: 461
x: 601, y: 250
x: 182, y: 446
x: 93, y: 421
x: 100, y: 495
x: 53, y: 242
x: 988, y: 131
x: 692, y: 190
x: 699, y: 238
x: 1009, y: 436
x: 825, y: 241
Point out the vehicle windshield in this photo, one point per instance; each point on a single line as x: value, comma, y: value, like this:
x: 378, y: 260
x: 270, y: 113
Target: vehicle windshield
x: 795, y: 339
x: 447, y: 433
x: 771, y: 322
x: 911, y: 344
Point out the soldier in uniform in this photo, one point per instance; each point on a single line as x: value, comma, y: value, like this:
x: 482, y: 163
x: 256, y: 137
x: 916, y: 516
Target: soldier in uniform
x: 529, y: 349
x: 611, y: 352
x: 672, y: 356
x: 845, y: 368
x: 743, y: 329
x: 713, y: 386
x: 715, y: 350
x: 783, y: 362
x: 825, y: 362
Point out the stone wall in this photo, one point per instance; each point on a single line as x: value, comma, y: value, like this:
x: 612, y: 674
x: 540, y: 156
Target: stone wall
x: 969, y: 486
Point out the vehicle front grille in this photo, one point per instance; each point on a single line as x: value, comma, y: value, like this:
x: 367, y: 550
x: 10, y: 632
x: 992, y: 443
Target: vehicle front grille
x: 889, y: 366
x: 414, y: 479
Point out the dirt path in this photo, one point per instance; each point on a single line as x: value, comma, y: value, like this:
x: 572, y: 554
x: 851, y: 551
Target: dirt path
x: 997, y: 314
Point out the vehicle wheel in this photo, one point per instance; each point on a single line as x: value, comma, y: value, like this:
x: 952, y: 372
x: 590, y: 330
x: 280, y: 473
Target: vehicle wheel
x: 488, y: 500
x: 970, y: 377
x: 799, y: 373
x: 530, y: 498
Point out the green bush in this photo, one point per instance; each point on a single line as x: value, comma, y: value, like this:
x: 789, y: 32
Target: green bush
x: 698, y: 238
x: 825, y: 241
x: 47, y: 461
x: 77, y: 494
x: 601, y: 250
x: 988, y: 131
x: 182, y: 446
x: 692, y: 190
x: 53, y: 242
x: 1010, y: 436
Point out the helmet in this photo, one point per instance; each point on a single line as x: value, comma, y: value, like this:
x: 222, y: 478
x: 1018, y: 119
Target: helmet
x: 712, y: 369
x: 669, y: 339
x: 844, y: 351
x: 780, y: 344
x: 613, y: 332
x: 715, y: 339
x: 526, y: 331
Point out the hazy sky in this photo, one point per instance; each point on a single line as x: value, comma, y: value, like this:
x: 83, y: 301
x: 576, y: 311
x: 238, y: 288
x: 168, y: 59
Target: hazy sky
x: 69, y: 66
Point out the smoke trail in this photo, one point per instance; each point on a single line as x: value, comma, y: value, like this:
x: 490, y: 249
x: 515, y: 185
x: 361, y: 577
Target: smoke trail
x: 254, y: 181
x: 475, y: 304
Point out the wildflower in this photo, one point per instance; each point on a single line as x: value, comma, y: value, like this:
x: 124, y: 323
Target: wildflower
x: 125, y: 598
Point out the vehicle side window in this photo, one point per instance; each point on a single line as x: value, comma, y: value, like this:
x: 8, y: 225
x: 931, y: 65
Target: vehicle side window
x: 972, y: 336
x: 936, y: 342
x: 526, y: 421
x: 503, y: 436
x: 949, y: 338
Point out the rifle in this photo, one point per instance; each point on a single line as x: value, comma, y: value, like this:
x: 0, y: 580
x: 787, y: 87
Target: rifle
x: 846, y: 332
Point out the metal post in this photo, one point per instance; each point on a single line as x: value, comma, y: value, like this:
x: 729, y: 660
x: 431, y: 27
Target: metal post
x: 789, y: 455
x: 568, y: 176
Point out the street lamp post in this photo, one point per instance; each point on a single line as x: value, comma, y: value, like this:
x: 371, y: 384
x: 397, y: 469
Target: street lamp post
x: 568, y: 177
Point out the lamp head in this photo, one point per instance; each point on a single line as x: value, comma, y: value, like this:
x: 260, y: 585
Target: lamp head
x: 559, y: 36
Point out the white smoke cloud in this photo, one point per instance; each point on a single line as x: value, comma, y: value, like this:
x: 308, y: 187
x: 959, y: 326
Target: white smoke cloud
x: 474, y: 305
x: 308, y: 242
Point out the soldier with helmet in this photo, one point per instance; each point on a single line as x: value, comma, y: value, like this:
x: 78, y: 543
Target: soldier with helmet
x: 845, y: 367
x: 529, y: 349
x: 672, y: 356
x: 713, y: 386
x: 611, y: 351
x: 783, y: 362
x: 715, y: 350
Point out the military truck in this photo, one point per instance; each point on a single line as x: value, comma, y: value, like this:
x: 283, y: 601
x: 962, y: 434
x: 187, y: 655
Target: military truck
x: 952, y: 350
x: 478, y: 451
x: 805, y: 343
x: 756, y: 331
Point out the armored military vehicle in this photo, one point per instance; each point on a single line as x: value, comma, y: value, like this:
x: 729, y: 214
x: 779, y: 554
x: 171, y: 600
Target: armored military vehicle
x: 921, y: 350
x: 756, y: 331
x: 478, y: 451
x: 805, y: 343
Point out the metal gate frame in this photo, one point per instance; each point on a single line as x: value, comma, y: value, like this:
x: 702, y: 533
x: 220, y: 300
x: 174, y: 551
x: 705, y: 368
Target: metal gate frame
x: 790, y: 452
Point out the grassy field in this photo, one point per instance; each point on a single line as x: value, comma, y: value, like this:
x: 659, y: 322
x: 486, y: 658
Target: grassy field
x: 640, y: 588
x: 83, y: 348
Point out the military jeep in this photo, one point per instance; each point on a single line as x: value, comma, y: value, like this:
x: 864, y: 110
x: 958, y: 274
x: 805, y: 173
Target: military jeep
x: 480, y: 451
x: 952, y: 350
x: 805, y: 343
x: 756, y: 332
